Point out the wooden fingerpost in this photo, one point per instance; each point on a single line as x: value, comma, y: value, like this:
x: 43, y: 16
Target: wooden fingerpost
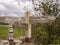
x: 28, y: 31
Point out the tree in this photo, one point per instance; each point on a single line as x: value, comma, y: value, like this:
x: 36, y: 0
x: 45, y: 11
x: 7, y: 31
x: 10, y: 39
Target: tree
x: 48, y: 7
x: 47, y: 33
x: 39, y: 34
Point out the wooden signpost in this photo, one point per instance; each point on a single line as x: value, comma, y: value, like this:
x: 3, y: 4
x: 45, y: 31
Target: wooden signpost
x: 34, y: 19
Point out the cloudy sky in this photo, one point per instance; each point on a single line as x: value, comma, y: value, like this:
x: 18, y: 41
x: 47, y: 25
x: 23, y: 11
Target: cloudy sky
x: 11, y: 7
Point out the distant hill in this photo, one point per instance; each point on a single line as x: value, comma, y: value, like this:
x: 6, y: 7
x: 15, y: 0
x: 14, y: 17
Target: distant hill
x: 6, y: 19
x: 2, y: 19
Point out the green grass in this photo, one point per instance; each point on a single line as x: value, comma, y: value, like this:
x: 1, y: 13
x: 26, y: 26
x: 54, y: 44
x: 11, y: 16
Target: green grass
x: 4, y: 32
x: 18, y: 33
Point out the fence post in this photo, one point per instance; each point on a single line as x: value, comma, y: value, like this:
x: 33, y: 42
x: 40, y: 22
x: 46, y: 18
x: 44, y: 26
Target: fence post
x: 11, y: 42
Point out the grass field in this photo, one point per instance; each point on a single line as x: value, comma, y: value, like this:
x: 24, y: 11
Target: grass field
x: 4, y: 32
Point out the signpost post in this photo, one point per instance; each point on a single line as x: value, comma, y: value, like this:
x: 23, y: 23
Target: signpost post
x: 28, y: 31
